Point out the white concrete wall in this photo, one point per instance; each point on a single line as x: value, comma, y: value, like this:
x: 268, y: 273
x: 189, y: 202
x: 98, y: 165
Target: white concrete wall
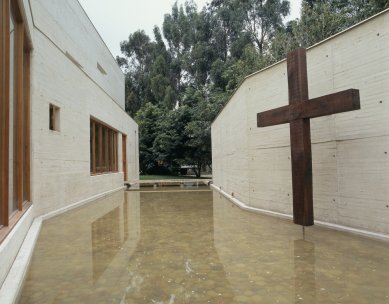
x: 66, y: 25
x: 61, y: 160
x: 350, y: 150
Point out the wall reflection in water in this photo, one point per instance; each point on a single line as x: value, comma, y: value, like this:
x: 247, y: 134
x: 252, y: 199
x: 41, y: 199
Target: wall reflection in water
x: 267, y: 260
x: 106, y: 241
x: 196, y: 247
x: 80, y: 256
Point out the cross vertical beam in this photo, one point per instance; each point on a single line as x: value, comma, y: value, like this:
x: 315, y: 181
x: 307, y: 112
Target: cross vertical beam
x: 300, y: 137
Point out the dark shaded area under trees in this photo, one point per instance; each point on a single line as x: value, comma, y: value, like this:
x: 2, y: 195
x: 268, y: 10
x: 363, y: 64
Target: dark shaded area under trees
x: 177, y: 82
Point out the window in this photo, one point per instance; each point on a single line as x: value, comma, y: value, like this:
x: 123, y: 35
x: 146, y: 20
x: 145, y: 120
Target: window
x: 14, y: 116
x: 54, y: 118
x: 103, y: 148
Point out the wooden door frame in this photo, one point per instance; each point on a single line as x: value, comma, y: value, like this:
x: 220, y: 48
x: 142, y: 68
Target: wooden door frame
x: 124, y: 156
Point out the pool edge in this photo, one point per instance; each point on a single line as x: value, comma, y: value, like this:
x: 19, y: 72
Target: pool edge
x: 355, y: 231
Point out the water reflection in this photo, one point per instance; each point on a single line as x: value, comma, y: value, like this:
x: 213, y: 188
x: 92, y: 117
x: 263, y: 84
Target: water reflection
x: 304, y: 268
x: 80, y: 256
x: 175, y: 260
x: 196, y: 247
x: 267, y: 261
x: 105, y: 241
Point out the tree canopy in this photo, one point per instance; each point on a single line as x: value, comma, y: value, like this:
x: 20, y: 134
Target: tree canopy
x: 177, y: 81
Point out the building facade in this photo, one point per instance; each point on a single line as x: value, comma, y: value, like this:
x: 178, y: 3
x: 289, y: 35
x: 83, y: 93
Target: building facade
x: 64, y: 133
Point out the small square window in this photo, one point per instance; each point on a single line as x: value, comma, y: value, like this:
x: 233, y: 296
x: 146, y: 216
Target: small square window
x: 54, y: 118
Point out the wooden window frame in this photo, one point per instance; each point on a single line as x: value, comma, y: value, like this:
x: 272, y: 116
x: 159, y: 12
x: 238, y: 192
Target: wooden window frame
x: 4, y: 108
x: 124, y: 156
x: 108, y: 146
x: 27, y: 126
x: 21, y: 112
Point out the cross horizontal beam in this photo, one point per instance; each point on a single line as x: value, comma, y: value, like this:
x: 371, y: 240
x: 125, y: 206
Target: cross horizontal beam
x: 343, y: 101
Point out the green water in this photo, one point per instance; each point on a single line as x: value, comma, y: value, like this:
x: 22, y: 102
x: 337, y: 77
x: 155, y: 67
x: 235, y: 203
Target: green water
x: 168, y: 247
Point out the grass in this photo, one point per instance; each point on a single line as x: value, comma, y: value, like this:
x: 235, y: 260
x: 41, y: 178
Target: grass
x: 166, y: 177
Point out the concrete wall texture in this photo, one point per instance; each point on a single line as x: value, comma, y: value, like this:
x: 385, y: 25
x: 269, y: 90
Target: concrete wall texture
x: 350, y: 151
x: 67, y: 50
x: 73, y: 69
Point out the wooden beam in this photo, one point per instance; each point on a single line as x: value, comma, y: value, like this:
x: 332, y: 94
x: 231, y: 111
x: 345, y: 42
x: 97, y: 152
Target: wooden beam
x: 109, y: 144
x: 100, y: 142
x: 27, y: 126
x: 4, y: 109
x: 18, y: 114
x: 111, y: 139
x: 297, y: 76
x: 115, y: 140
x: 339, y: 102
x: 93, y: 143
x: 112, y: 149
x: 106, y: 147
x: 300, y: 137
x: 273, y: 117
x: 124, y: 156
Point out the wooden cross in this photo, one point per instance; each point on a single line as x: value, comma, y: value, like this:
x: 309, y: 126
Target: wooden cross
x: 298, y: 113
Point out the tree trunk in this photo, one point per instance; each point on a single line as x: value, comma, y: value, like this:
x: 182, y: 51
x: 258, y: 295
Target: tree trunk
x: 197, y: 169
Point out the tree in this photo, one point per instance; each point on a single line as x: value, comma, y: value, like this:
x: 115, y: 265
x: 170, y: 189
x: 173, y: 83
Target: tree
x: 262, y: 18
x: 284, y: 41
x: 227, y: 28
x: 136, y: 63
x: 319, y: 20
x: 148, y: 119
x: 178, y: 82
x: 198, y: 131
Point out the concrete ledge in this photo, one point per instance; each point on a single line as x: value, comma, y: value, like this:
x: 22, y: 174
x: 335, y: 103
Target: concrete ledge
x: 79, y: 204
x: 10, y: 246
x: 10, y: 291
x: 365, y: 233
x: 251, y: 209
x: 13, y: 283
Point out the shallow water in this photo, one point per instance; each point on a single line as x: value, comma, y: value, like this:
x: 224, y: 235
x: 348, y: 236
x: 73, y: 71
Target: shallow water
x: 168, y: 247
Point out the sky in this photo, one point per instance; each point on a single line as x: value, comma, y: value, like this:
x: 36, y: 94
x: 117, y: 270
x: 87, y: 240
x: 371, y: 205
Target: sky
x: 115, y: 20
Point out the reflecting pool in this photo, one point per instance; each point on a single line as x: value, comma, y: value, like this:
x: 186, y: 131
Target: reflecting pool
x: 190, y: 246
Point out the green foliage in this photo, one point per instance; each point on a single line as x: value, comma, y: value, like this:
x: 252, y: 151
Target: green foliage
x: 148, y: 117
x: 262, y: 19
x: 177, y: 82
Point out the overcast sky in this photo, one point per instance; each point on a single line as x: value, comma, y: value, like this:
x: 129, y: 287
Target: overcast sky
x: 115, y: 20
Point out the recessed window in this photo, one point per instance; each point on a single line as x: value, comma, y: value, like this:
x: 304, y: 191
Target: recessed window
x: 103, y: 148
x: 101, y: 69
x: 54, y: 118
x: 72, y: 59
